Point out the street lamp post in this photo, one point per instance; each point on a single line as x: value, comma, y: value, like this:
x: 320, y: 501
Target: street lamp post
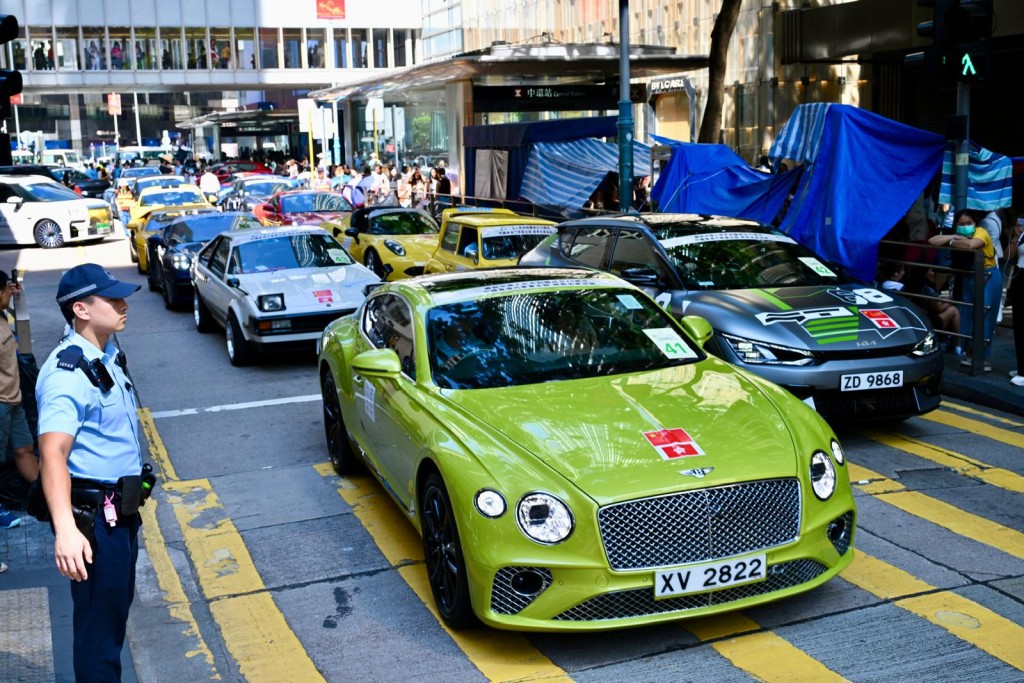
x: 625, y: 123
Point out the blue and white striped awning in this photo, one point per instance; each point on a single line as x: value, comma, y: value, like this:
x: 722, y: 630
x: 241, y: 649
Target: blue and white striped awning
x: 989, y: 179
x: 565, y: 174
x: 800, y: 139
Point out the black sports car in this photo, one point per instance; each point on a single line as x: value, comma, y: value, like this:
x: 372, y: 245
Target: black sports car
x: 171, y: 250
x: 80, y: 183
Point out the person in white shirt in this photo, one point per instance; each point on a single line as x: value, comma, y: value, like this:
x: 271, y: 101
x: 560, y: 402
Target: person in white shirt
x: 209, y: 183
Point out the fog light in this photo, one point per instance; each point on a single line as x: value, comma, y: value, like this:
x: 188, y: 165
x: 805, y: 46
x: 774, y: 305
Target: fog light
x: 527, y: 582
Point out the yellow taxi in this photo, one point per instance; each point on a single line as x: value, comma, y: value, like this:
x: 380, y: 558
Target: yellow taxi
x: 182, y: 197
x: 393, y: 242
x: 474, y: 237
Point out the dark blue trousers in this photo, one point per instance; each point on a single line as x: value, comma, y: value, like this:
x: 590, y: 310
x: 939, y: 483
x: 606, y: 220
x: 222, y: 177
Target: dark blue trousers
x: 101, y: 602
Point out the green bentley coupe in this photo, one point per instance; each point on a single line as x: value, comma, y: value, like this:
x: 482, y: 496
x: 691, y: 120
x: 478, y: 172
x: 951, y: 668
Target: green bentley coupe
x: 573, y: 459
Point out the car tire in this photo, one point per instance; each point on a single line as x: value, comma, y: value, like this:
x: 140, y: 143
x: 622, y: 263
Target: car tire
x: 133, y: 254
x: 151, y: 278
x: 443, y: 558
x: 170, y: 299
x: 239, y: 349
x: 339, y: 443
x: 201, y: 314
x: 373, y: 262
x: 48, y: 235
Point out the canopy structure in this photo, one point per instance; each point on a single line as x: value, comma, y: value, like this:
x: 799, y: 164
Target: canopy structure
x: 712, y: 179
x: 989, y: 179
x: 861, y: 174
x: 565, y: 174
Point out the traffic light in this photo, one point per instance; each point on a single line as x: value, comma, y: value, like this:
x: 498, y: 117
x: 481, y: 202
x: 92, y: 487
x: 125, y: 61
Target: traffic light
x: 10, y: 81
x: 938, y: 56
x: 970, y: 29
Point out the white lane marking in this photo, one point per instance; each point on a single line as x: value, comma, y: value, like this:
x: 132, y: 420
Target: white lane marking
x: 236, y: 406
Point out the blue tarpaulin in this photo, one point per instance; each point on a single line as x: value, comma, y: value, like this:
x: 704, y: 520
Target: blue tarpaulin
x: 862, y: 173
x: 712, y: 179
x: 565, y: 174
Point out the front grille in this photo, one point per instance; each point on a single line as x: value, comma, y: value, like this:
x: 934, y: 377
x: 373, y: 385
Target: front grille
x: 701, y: 525
x: 302, y: 323
x: 860, y: 404
x: 640, y: 602
x: 507, y: 600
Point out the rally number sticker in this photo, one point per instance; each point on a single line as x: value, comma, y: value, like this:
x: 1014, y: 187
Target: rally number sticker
x: 817, y: 266
x: 709, y: 576
x: 670, y: 343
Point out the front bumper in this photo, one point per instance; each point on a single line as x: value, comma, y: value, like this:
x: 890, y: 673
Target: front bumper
x: 271, y: 331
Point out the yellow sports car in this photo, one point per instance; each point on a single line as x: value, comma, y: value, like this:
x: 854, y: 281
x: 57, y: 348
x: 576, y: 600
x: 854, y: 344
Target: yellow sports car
x: 474, y: 237
x: 179, y: 200
x: 393, y: 242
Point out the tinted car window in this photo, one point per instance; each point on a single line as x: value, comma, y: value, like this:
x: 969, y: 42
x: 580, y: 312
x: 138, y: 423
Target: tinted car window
x: 451, y: 237
x: 321, y: 202
x: 49, y: 192
x: 634, y: 250
x: 535, y: 337
x: 466, y: 240
x: 219, y: 260
x: 590, y: 247
x: 318, y: 250
x: 511, y: 241
x: 200, y: 229
x: 387, y: 323
x: 402, y: 223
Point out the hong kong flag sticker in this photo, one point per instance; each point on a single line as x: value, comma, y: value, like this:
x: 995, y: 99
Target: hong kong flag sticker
x: 673, y: 443
x: 881, y: 319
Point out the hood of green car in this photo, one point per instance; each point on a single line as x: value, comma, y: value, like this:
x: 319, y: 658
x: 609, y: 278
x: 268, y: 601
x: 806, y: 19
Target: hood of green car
x: 628, y: 436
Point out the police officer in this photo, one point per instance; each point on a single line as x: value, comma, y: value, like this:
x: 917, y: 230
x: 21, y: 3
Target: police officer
x: 90, y: 465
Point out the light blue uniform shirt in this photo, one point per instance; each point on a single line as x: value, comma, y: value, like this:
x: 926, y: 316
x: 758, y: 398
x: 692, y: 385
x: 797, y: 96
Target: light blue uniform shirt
x: 105, y: 425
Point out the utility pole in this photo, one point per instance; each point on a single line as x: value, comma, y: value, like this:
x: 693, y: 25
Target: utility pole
x: 625, y: 123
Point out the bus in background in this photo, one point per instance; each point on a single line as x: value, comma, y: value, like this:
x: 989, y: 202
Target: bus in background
x: 138, y: 155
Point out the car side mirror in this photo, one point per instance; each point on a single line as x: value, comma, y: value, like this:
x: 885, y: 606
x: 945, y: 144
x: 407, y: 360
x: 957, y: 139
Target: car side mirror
x: 352, y: 232
x: 641, y: 277
x: 473, y: 252
x: 16, y: 202
x: 233, y: 282
x: 698, y: 328
x: 377, y: 363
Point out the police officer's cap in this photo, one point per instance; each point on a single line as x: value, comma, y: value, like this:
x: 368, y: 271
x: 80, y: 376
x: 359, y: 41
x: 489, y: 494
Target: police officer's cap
x: 90, y: 279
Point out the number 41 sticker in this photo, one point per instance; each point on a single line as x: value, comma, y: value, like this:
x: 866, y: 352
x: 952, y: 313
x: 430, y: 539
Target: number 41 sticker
x: 670, y: 343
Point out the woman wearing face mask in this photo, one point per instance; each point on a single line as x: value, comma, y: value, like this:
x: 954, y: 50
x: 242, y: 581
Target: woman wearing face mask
x: 969, y: 236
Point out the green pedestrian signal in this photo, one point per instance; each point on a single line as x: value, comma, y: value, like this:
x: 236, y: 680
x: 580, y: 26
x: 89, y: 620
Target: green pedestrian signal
x: 968, y: 66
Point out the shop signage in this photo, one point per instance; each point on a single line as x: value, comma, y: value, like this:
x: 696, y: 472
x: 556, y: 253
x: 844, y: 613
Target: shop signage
x: 550, y: 97
x: 330, y: 9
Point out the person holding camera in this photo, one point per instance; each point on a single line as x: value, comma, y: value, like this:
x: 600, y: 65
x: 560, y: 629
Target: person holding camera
x: 91, y: 466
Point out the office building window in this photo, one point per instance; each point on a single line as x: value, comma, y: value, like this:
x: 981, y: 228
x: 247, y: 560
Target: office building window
x: 245, y: 48
x: 359, y: 48
x: 404, y: 46
x: 292, y: 48
x: 144, y: 49
x: 268, y: 48
x: 316, y: 48
x: 41, y: 41
x: 94, y: 41
x: 381, y: 44
x: 171, y: 53
x: 121, y: 54
x: 342, y: 45
x: 195, y: 41
x: 65, y: 53
x: 220, y: 48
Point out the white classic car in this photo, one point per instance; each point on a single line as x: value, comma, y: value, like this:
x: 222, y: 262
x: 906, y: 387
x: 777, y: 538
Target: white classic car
x: 274, y: 287
x: 38, y: 210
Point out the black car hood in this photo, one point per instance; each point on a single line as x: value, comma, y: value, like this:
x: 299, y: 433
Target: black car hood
x: 834, y: 318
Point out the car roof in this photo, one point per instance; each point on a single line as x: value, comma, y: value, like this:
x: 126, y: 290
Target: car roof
x: 149, y: 191
x: 27, y: 169
x: 683, y: 223
x: 26, y: 179
x: 468, y: 285
x: 483, y: 220
x: 244, y: 236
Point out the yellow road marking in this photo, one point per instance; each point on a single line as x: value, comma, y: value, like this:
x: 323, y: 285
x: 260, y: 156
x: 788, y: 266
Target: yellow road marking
x: 167, y: 578
x: 961, y: 617
x: 974, y: 411
x: 945, y: 515
x: 499, y: 655
x: 157, y: 450
x: 996, y: 476
x: 763, y: 654
x: 967, y: 424
x: 254, y: 629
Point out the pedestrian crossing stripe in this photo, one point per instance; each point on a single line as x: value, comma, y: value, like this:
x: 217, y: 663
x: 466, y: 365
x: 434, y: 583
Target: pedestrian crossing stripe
x: 960, y: 407
x: 962, y: 464
x: 1007, y: 436
x: 937, y: 512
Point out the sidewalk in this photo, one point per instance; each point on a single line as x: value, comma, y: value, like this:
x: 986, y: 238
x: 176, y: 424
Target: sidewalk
x: 989, y: 389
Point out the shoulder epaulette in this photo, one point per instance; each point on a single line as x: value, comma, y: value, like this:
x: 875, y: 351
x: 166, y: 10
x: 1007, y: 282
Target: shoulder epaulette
x: 70, y: 357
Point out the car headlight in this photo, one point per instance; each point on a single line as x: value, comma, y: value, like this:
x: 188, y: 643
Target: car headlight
x: 926, y: 346
x: 823, y: 475
x: 395, y: 247
x: 544, y: 518
x: 181, y: 261
x: 271, y: 302
x: 489, y: 503
x: 837, y: 452
x: 760, y: 353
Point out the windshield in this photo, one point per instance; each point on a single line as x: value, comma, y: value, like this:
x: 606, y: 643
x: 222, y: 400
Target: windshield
x: 532, y: 337
x: 138, y: 172
x: 402, y: 223
x: 318, y: 250
x: 511, y: 241
x: 169, y: 181
x: 172, y: 198
x: 265, y: 189
x: 49, y: 192
x: 745, y: 260
x: 320, y: 202
x: 206, y: 227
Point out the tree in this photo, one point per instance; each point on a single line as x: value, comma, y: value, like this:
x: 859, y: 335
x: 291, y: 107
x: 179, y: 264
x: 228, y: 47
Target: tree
x: 721, y: 34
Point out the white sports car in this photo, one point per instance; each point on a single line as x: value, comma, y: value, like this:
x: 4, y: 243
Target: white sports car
x: 274, y: 287
x: 37, y: 210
